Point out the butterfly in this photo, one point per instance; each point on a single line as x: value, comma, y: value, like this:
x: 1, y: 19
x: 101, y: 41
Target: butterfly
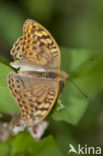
x: 36, y: 84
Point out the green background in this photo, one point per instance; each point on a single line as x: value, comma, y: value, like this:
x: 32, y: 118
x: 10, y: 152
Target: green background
x: 77, y: 26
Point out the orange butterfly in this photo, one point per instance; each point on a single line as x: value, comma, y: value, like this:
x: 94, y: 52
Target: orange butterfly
x: 36, y: 85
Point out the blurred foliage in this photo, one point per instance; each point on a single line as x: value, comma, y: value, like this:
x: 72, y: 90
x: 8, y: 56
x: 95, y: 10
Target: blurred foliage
x: 77, y: 26
x: 11, y: 23
x: 38, y: 149
x: 19, y: 146
x: 4, y: 92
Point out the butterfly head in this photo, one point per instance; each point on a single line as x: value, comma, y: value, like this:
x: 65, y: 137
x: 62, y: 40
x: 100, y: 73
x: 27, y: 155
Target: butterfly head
x: 63, y: 75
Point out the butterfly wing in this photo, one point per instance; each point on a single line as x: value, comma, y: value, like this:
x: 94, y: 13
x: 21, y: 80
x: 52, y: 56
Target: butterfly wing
x: 17, y: 82
x: 16, y: 51
x: 37, y: 46
x: 35, y: 97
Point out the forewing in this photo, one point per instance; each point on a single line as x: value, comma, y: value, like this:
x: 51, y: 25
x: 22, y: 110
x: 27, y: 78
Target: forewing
x: 35, y: 97
x: 16, y: 51
x: 39, y: 46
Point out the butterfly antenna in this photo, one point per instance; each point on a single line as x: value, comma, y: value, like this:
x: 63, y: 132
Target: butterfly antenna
x: 85, y: 95
x: 87, y: 61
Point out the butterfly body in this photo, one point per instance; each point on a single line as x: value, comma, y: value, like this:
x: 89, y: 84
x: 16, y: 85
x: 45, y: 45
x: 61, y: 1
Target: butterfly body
x: 36, y: 85
x: 39, y: 72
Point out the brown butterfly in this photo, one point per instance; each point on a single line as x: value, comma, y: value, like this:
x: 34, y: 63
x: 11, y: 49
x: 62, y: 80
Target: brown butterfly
x: 36, y: 85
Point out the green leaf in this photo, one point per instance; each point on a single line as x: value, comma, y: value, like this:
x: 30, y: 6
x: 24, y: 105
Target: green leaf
x: 4, y: 149
x: 73, y: 105
x: 87, y: 75
x: 63, y: 133
x: 4, y: 70
x: 7, y: 102
x: 4, y: 60
x: 24, y: 144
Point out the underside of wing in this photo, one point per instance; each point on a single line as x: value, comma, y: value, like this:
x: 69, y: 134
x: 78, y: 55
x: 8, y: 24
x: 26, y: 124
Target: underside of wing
x: 37, y: 101
x: 39, y: 46
x: 35, y: 97
x: 16, y: 51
